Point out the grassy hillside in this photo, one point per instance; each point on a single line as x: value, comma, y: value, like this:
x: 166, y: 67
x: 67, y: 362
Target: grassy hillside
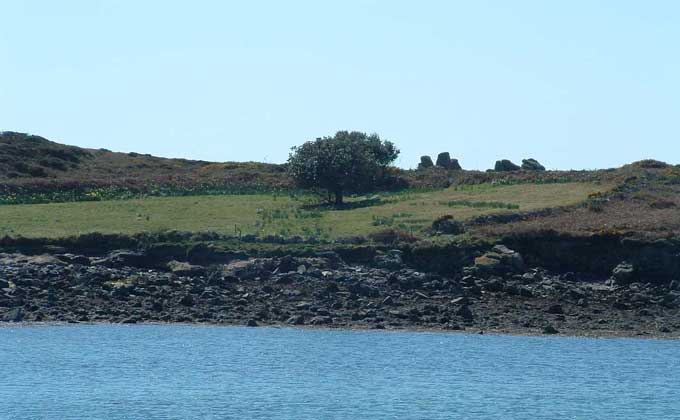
x: 36, y: 170
x: 34, y: 164
x: 90, y: 190
x: 266, y: 214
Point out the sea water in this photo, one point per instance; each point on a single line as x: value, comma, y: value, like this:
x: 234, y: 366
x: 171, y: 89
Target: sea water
x: 199, y: 372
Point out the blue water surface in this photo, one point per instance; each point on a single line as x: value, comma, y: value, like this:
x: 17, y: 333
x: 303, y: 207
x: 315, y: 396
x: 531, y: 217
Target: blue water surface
x: 199, y: 372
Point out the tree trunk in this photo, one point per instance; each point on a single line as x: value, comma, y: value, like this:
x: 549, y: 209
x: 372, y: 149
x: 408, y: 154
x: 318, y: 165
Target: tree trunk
x: 338, y: 198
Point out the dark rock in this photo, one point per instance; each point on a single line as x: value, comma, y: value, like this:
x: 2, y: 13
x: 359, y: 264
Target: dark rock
x: 321, y: 320
x: 187, y: 300
x: 287, y: 264
x: 122, y: 290
x: 623, y: 274
x: 122, y: 258
x: 74, y: 259
x: 203, y: 254
x: 532, y: 165
x: 251, y: 323
x: 500, y: 260
x: 465, y: 313
x: 362, y: 289
x: 14, y: 315
x: 555, y: 309
x: 332, y: 258
x: 425, y: 162
x: 550, y: 330
x: 462, y: 300
x: 391, y: 260
x: 621, y: 305
x: 447, y: 225
x: 505, y: 165
x: 296, y: 320
x: 444, y: 160
x: 131, y: 320
x: 494, y: 285
x: 185, y: 269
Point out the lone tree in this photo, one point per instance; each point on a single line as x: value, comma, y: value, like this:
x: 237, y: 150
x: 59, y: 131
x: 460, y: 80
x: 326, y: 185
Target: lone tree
x: 347, y: 162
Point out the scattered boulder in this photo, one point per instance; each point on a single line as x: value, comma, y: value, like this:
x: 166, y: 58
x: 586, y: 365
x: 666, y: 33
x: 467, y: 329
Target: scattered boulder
x: 505, y: 165
x: 500, y: 260
x: 185, y: 269
x: 391, y: 260
x: 532, y: 165
x: 321, y: 320
x: 73, y: 259
x: 447, y: 225
x: 122, y: 258
x: 425, y: 162
x: 296, y: 320
x: 550, y: 330
x: 622, y: 275
x: 494, y: 285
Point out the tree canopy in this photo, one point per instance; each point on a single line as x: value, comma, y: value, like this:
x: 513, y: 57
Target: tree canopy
x: 346, y: 162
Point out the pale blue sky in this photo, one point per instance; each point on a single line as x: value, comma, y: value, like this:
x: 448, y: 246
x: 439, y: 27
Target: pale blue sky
x: 575, y: 84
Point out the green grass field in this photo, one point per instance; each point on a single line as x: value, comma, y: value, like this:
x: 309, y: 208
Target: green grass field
x: 284, y: 215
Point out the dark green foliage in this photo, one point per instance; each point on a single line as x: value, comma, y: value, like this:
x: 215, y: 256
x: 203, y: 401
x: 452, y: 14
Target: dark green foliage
x: 347, y: 162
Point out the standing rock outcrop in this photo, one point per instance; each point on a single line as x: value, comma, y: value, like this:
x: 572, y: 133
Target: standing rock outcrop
x: 444, y: 161
x: 505, y: 165
x: 532, y: 165
x: 425, y: 162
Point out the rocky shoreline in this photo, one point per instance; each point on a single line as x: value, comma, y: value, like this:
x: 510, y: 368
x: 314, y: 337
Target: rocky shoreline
x: 499, y: 293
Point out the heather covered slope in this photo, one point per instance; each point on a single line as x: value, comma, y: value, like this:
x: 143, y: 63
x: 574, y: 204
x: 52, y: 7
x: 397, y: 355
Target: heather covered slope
x: 37, y: 164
